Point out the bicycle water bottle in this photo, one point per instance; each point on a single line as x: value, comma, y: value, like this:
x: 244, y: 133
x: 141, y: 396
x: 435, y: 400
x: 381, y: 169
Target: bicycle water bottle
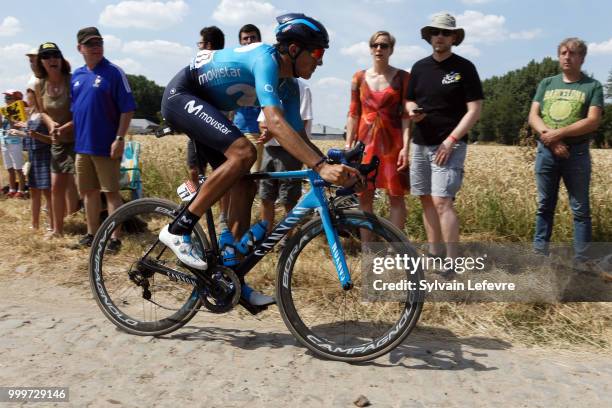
x: 227, y: 247
x: 252, y: 237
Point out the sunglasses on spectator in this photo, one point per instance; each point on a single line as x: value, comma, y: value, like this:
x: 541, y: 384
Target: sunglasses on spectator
x: 317, y: 54
x: 49, y: 55
x: 434, y: 32
x: 382, y: 46
x: 94, y: 43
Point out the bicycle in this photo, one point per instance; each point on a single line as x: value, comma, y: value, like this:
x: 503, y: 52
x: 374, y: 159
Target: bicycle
x: 145, y: 290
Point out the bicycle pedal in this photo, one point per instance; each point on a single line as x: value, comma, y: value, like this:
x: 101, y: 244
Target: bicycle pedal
x: 253, y: 309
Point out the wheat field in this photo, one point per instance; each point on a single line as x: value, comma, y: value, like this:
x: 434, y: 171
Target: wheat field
x: 496, y: 204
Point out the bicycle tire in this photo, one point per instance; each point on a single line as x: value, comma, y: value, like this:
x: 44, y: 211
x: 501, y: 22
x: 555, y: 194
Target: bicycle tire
x: 308, y: 291
x: 110, y: 271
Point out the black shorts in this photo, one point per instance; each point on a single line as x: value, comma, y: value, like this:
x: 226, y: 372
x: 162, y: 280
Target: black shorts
x: 186, y: 112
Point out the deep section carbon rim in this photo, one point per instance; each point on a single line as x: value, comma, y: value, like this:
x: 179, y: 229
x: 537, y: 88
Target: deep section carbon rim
x: 338, y: 324
x: 132, y: 296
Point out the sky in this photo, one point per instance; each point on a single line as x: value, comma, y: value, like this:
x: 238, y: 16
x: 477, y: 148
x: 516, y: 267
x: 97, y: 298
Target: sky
x: 157, y: 38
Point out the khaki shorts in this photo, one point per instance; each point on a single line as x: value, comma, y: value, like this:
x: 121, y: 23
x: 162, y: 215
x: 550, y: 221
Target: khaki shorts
x: 97, y: 173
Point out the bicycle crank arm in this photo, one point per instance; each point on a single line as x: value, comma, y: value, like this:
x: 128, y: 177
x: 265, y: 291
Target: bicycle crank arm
x: 155, y: 266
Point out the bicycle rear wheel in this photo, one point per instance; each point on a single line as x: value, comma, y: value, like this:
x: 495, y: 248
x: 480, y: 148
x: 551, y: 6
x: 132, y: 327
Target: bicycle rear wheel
x: 346, y: 325
x: 118, y: 280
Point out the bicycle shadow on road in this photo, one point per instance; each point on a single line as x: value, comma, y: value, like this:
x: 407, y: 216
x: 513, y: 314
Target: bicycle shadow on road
x: 429, y: 348
x: 435, y: 348
x: 246, y: 339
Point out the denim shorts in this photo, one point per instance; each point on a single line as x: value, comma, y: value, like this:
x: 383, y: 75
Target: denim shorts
x: 427, y: 178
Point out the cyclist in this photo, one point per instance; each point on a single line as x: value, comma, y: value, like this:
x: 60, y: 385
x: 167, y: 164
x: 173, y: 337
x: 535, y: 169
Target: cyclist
x: 224, y: 80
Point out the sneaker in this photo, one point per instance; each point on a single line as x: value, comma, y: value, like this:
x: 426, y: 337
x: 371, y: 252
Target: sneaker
x: 256, y: 298
x: 114, y: 245
x: 86, y: 240
x: 182, y: 248
x: 19, y: 194
x: 11, y: 194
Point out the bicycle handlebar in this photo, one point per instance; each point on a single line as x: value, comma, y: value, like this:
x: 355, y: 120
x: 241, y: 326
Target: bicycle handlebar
x: 352, y: 158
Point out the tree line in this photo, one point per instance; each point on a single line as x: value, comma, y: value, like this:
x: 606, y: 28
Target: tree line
x: 504, y: 113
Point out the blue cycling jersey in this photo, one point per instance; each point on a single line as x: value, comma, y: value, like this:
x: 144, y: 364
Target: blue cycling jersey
x: 245, y: 76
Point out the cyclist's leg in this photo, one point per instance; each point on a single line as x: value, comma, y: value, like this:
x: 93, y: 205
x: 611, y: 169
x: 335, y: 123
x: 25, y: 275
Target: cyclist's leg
x: 242, y: 195
x: 230, y: 154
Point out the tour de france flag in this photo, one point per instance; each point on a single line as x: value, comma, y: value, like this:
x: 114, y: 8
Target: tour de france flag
x: 15, y: 111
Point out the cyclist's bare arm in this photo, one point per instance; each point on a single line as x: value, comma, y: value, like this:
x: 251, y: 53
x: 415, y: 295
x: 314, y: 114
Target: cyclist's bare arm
x: 314, y: 147
x: 295, y: 144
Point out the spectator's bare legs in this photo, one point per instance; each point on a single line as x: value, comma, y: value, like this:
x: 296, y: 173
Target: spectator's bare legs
x: 431, y: 221
x: 21, y: 179
x: 93, y: 206
x: 267, y: 213
x: 224, y: 205
x: 113, y: 201
x: 35, y: 207
x: 47, y: 193
x: 59, y: 183
x: 366, y: 200
x: 12, y: 179
x: 36, y: 202
x: 449, y: 224
x: 72, y: 196
x: 397, y: 211
x: 240, y: 203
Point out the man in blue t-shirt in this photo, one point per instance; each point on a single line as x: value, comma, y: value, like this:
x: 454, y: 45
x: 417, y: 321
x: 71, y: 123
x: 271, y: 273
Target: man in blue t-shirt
x: 224, y: 80
x: 102, y: 107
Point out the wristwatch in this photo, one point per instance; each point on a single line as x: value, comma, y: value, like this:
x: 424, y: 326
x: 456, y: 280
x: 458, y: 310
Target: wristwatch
x: 119, y: 138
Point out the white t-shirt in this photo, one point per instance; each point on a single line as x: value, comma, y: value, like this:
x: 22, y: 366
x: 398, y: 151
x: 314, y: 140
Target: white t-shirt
x: 32, y: 83
x: 305, y: 111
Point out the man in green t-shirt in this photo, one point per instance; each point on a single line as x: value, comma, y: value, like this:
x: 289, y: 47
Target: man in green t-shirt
x: 566, y: 112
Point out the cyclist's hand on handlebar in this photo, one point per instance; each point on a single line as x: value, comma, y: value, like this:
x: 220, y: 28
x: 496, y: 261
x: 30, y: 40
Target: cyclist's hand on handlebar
x: 339, y: 174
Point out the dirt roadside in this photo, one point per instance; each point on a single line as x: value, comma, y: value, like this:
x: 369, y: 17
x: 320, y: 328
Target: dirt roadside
x: 55, y: 335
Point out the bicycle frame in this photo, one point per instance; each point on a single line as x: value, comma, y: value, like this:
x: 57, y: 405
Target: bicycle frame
x: 315, y: 199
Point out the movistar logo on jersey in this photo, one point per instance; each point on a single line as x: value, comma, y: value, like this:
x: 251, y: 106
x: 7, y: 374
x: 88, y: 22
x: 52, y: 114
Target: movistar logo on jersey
x: 191, y: 107
x: 217, y: 73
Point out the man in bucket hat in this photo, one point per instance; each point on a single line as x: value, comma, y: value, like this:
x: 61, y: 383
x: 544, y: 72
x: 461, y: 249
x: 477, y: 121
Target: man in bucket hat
x: 444, y: 100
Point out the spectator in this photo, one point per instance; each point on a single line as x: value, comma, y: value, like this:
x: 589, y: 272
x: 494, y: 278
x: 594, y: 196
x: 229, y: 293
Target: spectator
x: 53, y: 99
x: 276, y: 158
x: 102, y: 105
x: 12, y: 150
x: 448, y: 90
x: 32, y: 54
x: 211, y: 38
x: 245, y: 118
x: 566, y: 112
x: 38, y: 145
x: 376, y: 118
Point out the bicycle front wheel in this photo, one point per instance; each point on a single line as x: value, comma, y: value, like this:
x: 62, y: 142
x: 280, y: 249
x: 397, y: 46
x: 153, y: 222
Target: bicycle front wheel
x: 137, y: 299
x: 346, y: 325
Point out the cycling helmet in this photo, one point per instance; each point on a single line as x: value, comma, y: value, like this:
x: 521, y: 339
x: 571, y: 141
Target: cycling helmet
x: 301, y: 29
